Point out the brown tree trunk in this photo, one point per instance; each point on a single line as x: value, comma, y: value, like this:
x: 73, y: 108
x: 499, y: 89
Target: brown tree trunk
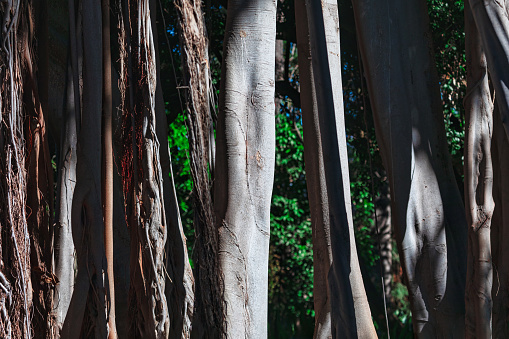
x: 107, y: 165
x: 209, y: 311
x: 15, y: 282
x: 142, y: 174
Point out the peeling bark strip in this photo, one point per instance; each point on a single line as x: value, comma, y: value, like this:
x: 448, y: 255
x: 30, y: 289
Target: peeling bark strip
x: 479, y: 202
x: 142, y: 174
x: 351, y: 316
x: 209, y: 312
x: 87, y: 312
x: 15, y: 283
x: 428, y: 214
x: 244, y: 170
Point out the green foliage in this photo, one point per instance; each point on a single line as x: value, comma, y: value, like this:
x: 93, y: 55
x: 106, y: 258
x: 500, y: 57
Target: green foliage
x: 291, y: 256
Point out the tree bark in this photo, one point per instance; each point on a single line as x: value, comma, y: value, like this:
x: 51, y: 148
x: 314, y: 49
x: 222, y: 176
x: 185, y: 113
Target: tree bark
x: 87, y: 311
x: 63, y: 242
x: 479, y: 202
x: 245, y: 158
x: 493, y: 24
x: 350, y: 316
x: 107, y: 165
x: 315, y: 178
x: 15, y: 282
x: 142, y: 174
x: 209, y: 314
x: 428, y: 215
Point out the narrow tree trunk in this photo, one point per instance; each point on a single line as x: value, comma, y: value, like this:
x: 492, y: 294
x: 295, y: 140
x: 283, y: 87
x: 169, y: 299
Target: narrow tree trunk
x: 492, y: 22
x: 351, y: 316
x: 86, y: 313
x: 428, y: 215
x: 209, y: 314
x: 315, y: 179
x: 244, y: 170
x: 107, y: 165
x: 63, y: 241
x: 479, y: 203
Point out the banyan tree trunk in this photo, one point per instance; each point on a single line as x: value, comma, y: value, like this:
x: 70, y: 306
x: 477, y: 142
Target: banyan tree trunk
x: 427, y: 211
x: 350, y: 312
x: 479, y: 202
x: 244, y: 170
x: 142, y: 174
x: 209, y: 311
x: 87, y: 310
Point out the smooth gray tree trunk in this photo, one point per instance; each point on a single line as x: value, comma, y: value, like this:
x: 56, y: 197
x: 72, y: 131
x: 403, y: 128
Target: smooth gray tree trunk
x: 64, y: 245
x: 479, y: 202
x: 245, y: 158
x: 350, y: 315
x: 428, y: 214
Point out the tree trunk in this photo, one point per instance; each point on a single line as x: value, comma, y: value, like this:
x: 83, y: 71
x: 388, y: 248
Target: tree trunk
x: 209, y: 314
x: 492, y: 22
x: 180, y: 286
x: 63, y: 242
x: 479, y: 203
x: 107, y: 165
x: 428, y: 215
x: 15, y: 282
x: 244, y: 170
x: 87, y: 313
x: 351, y: 316
x: 315, y: 179
x: 142, y: 174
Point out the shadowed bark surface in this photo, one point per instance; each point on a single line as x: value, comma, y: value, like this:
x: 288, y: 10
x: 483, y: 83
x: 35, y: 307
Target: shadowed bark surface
x: 428, y: 215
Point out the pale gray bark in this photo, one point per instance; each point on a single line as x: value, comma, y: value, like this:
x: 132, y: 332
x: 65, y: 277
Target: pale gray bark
x: 64, y: 245
x: 428, y: 215
x: 350, y: 316
x: 245, y: 163
x: 88, y: 299
x: 492, y: 20
x: 479, y: 202
x: 315, y: 179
